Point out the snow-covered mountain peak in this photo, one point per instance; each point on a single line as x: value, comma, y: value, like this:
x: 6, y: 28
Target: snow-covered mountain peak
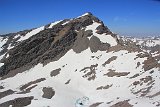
x: 76, y: 62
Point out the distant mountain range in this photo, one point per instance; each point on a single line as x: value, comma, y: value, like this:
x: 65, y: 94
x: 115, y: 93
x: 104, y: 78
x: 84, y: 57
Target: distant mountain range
x: 78, y: 62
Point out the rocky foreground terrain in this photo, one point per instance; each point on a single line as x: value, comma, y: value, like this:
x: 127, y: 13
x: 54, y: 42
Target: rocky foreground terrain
x: 78, y: 62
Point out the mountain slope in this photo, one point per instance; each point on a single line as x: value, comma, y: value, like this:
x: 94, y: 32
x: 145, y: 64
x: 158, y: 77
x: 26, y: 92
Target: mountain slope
x: 76, y: 63
x: 148, y: 44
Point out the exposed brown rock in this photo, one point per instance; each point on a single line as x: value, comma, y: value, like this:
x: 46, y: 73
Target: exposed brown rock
x: 119, y: 47
x: 95, y: 44
x: 103, y: 29
x: 48, y: 92
x: 138, y: 64
x: 122, y: 104
x: 109, y: 102
x: 18, y: 102
x: 16, y: 71
x: 134, y: 76
x: 151, y: 72
x: 116, y: 48
x: 84, y: 69
x: 1, y: 87
x: 68, y: 81
x: 64, y: 31
x: 31, y: 83
x: 136, y: 83
x: 112, y: 73
x: 110, y: 60
x: 6, y: 93
x: 146, y: 79
x: 150, y: 63
x: 142, y: 55
x: 91, y: 75
x: 55, y: 72
x: 27, y: 90
x: 104, y: 87
x: 96, y: 104
x: 82, y: 42
x: 144, y: 91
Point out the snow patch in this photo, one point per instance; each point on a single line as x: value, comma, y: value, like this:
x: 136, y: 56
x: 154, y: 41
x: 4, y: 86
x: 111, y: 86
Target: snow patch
x: 103, y: 37
x: 10, y: 47
x: 33, y: 32
x: 66, y: 22
x: 1, y: 64
x: 17, y: 36
x: 2, y: 42
x: 54, y: 23
x: 83, y: 15
x: 7, y: 56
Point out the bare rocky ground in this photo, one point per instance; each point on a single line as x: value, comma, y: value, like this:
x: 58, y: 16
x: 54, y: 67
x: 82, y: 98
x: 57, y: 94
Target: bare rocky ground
x: 18, y: 102
x: 122, y: 104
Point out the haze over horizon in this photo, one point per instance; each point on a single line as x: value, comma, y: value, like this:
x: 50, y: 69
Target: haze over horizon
x: 132, y: 18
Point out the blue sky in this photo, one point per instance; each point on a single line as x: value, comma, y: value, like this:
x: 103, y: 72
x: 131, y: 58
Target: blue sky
x: 125, y: 17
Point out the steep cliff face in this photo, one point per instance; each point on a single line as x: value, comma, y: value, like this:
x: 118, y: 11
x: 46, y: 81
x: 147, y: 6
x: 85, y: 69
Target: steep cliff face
x: 76, y: 62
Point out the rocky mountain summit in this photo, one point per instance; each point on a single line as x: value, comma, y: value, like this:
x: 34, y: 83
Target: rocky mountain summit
x: 77, y: 62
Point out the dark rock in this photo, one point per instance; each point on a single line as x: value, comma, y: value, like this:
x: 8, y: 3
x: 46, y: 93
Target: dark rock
x: 134, y: 76
x: 82, y: 42
x: 112, y: 73
x: 91, y: 75
x: 104, y: 87
x: 68, y: 81
x: 48, y: 92
x: 1, y: 87
x: 55, y: 72
x: 18, y: 102
x: 122, y: 104
x: 96, y: 104
x: 94, y: 44
x: 150, y: 63
x: 6, y: 93
x: 110, y: 60
x: 27, y: 90
x: 31, y: 83
x: 136, y: 83
x: 103, y: 29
